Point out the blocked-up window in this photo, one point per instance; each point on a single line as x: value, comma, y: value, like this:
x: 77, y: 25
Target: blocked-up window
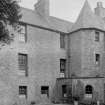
x: 97, y: 59
x: 23, y: 61
x: 62, y: 65
x: 62, y: 41
x: 23, y: 91
x: 97, y: 36
x: 22, y: 33
x: 45, y: 90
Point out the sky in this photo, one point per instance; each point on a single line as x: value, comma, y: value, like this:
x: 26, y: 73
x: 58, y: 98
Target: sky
x: 64, y: 9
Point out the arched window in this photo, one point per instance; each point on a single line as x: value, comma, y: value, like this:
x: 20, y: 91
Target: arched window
x: 88, y: 89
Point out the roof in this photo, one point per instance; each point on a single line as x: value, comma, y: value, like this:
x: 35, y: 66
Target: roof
x: 32, y: 17
x: 61, y: 25
x: 87, y: 19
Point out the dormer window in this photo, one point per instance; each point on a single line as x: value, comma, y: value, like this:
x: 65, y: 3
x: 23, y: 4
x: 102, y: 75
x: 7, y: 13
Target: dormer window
x: 97, y: 36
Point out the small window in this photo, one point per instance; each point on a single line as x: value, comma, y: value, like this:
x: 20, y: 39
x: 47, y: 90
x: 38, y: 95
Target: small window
x: 89, y: 89
x: 62, y: 41
x: 62, y: 65
x: 23, y: 91
x: 64, y: 90
x: 22, y: 32
x: 97, y: 59
x: 97, y: 36
x: 45, y: 90
x: 22, y: 59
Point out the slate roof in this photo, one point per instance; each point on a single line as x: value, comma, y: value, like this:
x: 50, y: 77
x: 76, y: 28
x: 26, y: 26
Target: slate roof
x: 87, y: 19
x: 32, y: 17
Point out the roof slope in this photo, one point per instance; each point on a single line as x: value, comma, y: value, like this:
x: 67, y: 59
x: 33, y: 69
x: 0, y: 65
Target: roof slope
x: 87, y: 19
x: 61, y: 25
x: 32, y: 17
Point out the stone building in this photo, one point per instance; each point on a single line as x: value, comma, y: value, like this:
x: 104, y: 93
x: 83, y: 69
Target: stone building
x: 53, y: 60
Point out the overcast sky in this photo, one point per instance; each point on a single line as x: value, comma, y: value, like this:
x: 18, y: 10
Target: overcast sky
x: 64, y: 9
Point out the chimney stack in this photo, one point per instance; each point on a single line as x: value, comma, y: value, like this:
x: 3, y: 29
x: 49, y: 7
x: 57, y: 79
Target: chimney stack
x: 100, y: 10
x: 42, y: 7
x: 99, y: 4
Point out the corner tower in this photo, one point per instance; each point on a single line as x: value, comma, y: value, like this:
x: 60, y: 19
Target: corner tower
x: 86, y: 44
x: 86, y: 51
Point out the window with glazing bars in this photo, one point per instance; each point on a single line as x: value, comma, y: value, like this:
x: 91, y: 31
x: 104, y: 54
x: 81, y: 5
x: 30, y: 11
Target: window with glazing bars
x: 45, y: 90
x: 23, y: 91
x: 62, y: 65
x: 62, y: 41
x: 22, y: 32
x: 23, y: 61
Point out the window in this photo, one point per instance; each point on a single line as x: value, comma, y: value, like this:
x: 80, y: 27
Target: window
x: 62, y: 41
x: 23, y: 91
x: 22, y: 33
x: 89, y: 89
x: 64, y: 90
x: 22, y: 59
x: 45, y: 90
x: 62, y: 65
x: 97, y: 36
x: 97, y: 59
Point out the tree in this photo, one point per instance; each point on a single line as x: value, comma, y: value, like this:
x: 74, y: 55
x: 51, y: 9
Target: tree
x: 9, y: 15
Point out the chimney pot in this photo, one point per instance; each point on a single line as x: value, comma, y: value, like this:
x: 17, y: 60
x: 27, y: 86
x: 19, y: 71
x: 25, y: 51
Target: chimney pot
x: 99, y: 4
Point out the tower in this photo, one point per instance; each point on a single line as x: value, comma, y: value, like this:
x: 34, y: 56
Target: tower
x: 86, y: 55
x: 86, y: 40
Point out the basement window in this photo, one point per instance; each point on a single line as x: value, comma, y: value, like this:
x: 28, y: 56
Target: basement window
x: 45, y: 90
